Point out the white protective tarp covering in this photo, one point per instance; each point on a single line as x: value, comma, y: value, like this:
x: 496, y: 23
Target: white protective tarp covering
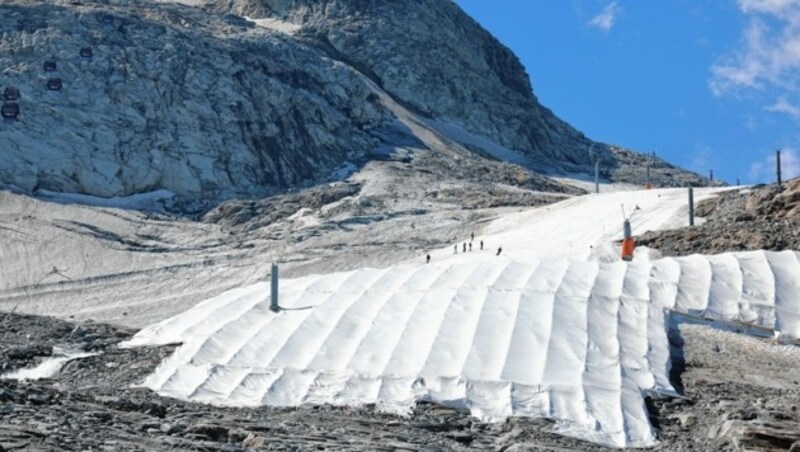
x: 578, y: 342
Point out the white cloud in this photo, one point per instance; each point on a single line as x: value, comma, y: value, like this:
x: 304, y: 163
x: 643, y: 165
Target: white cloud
x: 607, y: 18
x: 769, y: 54
x: 784, y: 106
x: 767, y: 6
x: 764, y: 170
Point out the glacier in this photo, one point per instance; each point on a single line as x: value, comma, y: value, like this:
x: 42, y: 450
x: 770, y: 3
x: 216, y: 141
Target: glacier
x: 580, y: 342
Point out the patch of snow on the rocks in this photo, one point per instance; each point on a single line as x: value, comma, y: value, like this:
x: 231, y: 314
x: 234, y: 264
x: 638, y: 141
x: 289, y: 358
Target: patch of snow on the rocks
x: 49, y: 367
x: 458, y: 134
x: 278, y: 25
x: 343, y: 172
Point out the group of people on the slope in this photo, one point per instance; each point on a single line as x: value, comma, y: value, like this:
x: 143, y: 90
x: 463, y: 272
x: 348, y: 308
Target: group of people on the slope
x: 466, y: 246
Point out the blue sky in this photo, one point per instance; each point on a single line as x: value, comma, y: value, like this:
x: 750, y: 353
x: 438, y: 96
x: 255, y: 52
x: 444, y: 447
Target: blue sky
x: 707, y: 84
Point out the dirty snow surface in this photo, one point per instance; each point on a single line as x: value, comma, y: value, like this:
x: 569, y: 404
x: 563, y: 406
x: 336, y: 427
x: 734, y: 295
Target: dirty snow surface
x: 579, y: 342
x: 136, y: 269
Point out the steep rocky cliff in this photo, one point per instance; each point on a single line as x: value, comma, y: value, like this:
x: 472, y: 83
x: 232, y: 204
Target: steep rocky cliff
x: 172, y: 98
x: 248, y: 98
x: 437, y: 60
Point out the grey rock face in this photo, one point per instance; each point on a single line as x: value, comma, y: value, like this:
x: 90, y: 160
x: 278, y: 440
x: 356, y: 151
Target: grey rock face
x: 207, y: 104
x: 172, y: 98
x: 434, y: 58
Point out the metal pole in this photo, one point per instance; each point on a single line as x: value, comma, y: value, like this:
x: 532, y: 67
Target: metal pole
x: 778, y: 160
x: 711, y: 175
x: 273, y: 304
x: 650, y: 164
x: 596, y: 162
x: 597, y: 176
x: 691, y: 206
x: 737, y: 181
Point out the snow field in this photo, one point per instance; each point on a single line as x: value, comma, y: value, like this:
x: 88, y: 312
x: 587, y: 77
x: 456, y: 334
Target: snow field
x: 582, y: 227
x: 579, y: 342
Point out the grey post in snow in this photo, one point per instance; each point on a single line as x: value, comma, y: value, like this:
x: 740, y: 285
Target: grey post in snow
x: 691, y: 206
x: 596, y: 161
x: 711, y: 175
x: 273, y: 300
x: 778, y: 161
x: 597, y: 176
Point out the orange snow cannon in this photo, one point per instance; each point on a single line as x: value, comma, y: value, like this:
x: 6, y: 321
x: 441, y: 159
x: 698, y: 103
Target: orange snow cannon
x: 628, y: 244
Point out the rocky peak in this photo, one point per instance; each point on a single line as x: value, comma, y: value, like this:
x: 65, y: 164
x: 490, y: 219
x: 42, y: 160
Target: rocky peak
x: 434, y: 58
x: 247, y: 98
x: 175, y: 98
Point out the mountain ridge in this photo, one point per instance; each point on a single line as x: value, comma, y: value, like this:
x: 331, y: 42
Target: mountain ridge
x: 210, y: 105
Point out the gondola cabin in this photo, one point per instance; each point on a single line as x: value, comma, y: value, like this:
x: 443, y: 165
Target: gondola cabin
x: 49, y: 66
x: 54, y: 84
x: 11, y: 94
x: 86, y: 52
x: 10, y: 111
x: 107, y: 20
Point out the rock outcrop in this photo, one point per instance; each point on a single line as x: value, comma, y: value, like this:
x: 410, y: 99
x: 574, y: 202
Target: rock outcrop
x: 247, y: 98
x: 764, y: 217
x: 434, y: 58
x: 200, y: 104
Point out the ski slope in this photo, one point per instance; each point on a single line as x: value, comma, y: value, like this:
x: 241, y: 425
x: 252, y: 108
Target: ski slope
x: 579, y: 342
x: 583, y: 227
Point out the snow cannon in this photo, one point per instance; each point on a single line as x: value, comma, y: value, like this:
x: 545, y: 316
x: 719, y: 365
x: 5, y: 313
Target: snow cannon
x: 628, y: 244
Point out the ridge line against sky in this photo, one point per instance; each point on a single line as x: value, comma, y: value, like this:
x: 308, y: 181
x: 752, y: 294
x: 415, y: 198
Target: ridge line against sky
x: 707, y: 84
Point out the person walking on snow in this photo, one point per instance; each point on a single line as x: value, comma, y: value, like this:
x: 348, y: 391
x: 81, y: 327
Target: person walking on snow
x: 499, y: 250
x: 455, y: 249
x: 464, y: 249
x: 428, y: 261
x: 481, y: 245
x: 472, y: 237
x: 470, y: 246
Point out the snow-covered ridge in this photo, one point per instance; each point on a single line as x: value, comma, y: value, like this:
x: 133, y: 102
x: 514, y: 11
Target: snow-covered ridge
x: 579, y: 342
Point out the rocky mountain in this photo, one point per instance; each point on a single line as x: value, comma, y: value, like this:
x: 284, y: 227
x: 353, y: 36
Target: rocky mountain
x: 438, y: 61
x: 249, y: 98
x: 765, y: 217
